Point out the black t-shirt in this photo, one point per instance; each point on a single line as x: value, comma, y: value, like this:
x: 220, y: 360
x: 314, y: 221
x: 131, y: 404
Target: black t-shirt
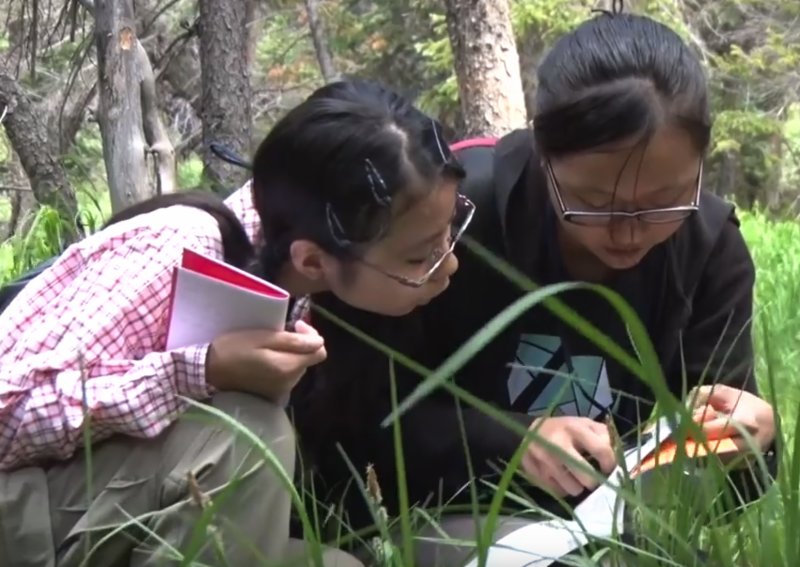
x: 556, y: 363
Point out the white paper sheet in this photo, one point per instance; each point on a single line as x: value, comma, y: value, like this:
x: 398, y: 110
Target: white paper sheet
x: 205, y: 308
x: 542, y: 544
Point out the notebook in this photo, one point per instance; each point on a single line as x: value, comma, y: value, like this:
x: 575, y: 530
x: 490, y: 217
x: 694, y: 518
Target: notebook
x: 210, y: 298
x: 600, y: 515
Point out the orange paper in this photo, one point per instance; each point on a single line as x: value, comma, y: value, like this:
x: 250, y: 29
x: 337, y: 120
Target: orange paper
x: 668, y: 450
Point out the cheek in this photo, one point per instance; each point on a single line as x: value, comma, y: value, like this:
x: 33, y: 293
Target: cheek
x: 372, y: 291
x: 657, y: 233
x: 588, y: 237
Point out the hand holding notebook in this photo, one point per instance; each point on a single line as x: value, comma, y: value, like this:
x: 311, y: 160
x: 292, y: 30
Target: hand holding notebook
x: 210, y: 299
x: 243, y: 319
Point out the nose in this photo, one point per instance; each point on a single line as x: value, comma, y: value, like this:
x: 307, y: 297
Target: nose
x: 626, y: 231
x: 447, y: 268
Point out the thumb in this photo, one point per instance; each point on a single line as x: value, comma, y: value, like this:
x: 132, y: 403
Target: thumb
x: 303, y: 328
x: 297, y: 343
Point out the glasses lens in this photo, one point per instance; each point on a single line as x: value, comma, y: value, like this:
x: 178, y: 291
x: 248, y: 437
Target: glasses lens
x: 660, y: 217
x: 588, y: 220
x: 461, y: 217
x: 653, y: 217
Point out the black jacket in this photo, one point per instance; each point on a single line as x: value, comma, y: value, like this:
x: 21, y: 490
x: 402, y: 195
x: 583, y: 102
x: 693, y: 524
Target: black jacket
x: 703, y: 290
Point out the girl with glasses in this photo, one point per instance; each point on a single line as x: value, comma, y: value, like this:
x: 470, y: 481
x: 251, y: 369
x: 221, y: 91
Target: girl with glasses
x: 605, y: 188
x: 355, y: 195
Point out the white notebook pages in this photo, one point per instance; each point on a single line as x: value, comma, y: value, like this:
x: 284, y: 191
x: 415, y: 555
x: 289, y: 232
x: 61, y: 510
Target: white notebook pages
x: 600, y: 516
x: 210, y: 298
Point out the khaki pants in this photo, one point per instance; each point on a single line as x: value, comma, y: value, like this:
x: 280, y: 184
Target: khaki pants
x: 47, y: 518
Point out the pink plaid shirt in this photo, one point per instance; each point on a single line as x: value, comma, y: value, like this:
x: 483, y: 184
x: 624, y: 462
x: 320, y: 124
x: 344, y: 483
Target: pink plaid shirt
x: 93, y: 328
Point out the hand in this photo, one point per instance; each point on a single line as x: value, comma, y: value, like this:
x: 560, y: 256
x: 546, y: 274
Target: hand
x: 717, y: 407
x: 264, y: 363
x: 575, y: 435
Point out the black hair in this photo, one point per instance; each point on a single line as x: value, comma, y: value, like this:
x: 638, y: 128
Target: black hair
x: 614, y: 77
x: 337, y: 166
x: 334, y: 171
x: 238, y: 250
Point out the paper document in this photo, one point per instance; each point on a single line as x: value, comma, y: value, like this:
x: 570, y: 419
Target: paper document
x: 600, y: 515
x: 210, y: 298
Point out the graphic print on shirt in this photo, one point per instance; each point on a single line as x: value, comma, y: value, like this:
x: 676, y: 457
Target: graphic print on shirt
x: 531, y: 390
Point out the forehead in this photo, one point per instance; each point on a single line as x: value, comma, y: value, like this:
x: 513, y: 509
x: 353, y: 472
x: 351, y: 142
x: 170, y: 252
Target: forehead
x: 424, y: 217
x: 668, y: 158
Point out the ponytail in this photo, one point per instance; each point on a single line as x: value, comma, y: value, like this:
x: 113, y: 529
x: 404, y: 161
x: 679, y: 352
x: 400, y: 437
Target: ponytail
x: 238, y: 251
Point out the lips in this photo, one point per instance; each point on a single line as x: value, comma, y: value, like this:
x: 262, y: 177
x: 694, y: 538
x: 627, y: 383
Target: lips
x: 624, y: 252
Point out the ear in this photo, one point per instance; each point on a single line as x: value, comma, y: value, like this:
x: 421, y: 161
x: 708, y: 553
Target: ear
x: 307, y: 259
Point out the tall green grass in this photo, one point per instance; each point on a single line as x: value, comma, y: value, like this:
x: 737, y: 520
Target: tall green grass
x: 671, y: 529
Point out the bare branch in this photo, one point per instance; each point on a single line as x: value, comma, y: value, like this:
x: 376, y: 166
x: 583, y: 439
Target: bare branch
x: 321, y: 46
x: 120, y: 108
x: 154, y: 132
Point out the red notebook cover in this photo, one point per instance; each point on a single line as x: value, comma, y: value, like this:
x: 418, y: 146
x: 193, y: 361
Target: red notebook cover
x: 220, y: 271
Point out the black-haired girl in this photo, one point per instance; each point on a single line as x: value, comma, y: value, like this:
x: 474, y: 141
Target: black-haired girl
x: 605, y: 188
x: 354, y: 192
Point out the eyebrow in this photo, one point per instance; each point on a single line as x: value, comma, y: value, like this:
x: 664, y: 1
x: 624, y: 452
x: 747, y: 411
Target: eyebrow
x: 428, y: 240
x: 605, y: 193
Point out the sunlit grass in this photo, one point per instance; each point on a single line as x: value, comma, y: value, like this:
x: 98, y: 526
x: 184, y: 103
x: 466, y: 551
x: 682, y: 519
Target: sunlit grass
x: 766, y: 535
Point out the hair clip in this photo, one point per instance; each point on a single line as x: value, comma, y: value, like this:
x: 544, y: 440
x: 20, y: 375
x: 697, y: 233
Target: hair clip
x: 616, y: 8
x: 335, y: 227
x: 377, y: 185
x: 439, y: 145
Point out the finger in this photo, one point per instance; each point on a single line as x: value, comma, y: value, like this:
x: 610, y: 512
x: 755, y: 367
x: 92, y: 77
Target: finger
x: 569, y: 483
x: 719, y: 396
x: 703, y: 414
x: 280, y: 341
x: 315, y: 357
x: 599, y: 447
x: 297, y: 343
x: 304, y: 328
x: 700, y: 396
x: 600, y: 429
x: 579, y: 471
x: 538, y: 477
x: 557, y: 476
x: 724, y: 426
x: 291, y: 365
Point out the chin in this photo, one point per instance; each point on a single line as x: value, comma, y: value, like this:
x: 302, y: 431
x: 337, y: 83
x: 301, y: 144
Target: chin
x: 398, y: 311
x: 621, y: 263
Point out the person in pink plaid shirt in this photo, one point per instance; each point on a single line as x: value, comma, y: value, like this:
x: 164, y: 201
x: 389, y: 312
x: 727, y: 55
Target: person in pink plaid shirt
x: 354, y: 192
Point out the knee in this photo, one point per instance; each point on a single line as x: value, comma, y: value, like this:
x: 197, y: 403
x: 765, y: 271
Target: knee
x: 259, y: 420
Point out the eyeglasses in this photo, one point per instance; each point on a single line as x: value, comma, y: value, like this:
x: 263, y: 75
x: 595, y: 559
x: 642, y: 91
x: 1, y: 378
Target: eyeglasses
x: 601, y: 218
x: 462, y: 216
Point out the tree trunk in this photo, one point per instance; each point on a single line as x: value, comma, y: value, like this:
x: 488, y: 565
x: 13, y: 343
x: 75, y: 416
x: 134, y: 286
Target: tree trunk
x: 487, y: 66
x: 225, y: 82
x: 320, y: 39
x: 120, y: 108
x: 29, y: 137
x: 20, y: 196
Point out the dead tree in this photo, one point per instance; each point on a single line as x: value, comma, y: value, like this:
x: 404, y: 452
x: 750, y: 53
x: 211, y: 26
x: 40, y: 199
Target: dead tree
x: 130, y: 125
x: 487, y: 66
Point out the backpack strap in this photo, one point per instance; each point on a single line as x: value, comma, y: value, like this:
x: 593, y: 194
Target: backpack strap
x: 716, y: 213
x: 11, y: 290
x: 477, y: 157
